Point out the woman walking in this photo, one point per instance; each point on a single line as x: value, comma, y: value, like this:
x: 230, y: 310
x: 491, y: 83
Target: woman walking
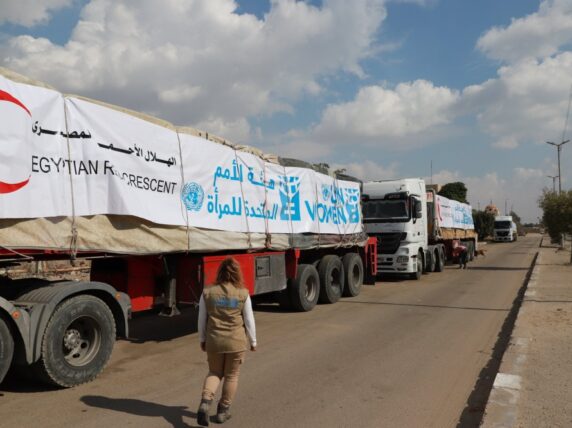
x: 225, y: 312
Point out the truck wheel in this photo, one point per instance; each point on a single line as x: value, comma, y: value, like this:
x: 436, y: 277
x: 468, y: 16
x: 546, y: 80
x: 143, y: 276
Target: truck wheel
x: 431, y: 262
x: 353, y: 271
x: 417, y: 275
x: 305, y: 289
x: 439, y: 260
x: 77, y: 342
x: 6, y: 349
x: 331, y: 271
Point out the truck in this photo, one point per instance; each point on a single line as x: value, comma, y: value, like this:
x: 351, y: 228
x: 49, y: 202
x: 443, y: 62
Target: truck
x: 505, y: 229
x: 418, y: 231
x: 152, y: 210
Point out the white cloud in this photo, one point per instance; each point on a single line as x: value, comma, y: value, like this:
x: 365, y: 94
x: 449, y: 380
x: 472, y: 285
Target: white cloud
x: 305, y: 150
x: 526, y: 103
x: 30, y: 12
x: 237, y: 131
x: 537, y: 35
x: 508, y: 142
x: 526, y: 173
x: 368, y: 170
x: 198, y: 61
x: 379, y: 113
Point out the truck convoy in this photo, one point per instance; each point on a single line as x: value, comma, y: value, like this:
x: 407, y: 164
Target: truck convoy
x: 505, y: 229
x: 417, y: 230
x: 155, y: 208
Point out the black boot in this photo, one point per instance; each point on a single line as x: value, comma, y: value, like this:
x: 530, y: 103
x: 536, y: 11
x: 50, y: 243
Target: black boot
x: 222, y: 413
x: 203, y: 413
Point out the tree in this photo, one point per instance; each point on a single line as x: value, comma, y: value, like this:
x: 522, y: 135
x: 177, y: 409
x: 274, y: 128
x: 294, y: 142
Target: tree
x: 456, y: 191
x: 484, y: 223
x: 557, y: 213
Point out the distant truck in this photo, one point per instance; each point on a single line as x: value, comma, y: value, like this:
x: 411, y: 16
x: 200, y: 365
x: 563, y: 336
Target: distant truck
x: 505, y: 229
x: 417, y: 230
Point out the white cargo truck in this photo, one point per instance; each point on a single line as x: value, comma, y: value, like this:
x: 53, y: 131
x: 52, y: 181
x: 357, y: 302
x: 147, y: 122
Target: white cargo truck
x: 417, y: 230
x: 505, y: 229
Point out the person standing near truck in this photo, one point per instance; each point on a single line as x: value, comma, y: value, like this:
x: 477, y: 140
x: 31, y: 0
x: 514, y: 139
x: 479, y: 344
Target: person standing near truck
x: 462, y: 253
x: 225, y: 321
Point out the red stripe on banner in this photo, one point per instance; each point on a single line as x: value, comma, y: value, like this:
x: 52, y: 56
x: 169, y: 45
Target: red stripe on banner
x: 9, y: 187
x: 7, y: 97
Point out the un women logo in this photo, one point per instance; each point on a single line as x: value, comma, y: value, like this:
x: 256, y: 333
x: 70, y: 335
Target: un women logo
x: 193, y: 196
x: 326, y: 192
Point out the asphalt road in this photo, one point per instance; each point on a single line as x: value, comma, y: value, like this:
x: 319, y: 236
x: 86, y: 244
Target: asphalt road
x: 401, y: 354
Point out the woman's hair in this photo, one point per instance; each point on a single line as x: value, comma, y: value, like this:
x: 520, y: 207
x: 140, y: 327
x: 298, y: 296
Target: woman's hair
x: 229, y: 272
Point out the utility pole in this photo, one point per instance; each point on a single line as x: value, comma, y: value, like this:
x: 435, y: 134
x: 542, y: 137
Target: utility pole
x: 559, y: 148
x: 431, y: 171
x: 554, y: 177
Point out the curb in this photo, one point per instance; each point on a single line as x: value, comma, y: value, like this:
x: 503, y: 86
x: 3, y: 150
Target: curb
x: 502, y: 405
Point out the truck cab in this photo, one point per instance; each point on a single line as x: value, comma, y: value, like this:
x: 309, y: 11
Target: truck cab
x: 396, y: 212
x: 504, y: 229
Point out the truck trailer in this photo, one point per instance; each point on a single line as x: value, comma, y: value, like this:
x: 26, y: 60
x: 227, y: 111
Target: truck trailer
x: 155, y: 209
x: 417, y: 230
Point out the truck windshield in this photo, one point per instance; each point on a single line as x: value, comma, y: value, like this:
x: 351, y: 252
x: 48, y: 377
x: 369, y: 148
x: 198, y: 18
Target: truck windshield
x: 502, y: 224
x: 386, y: 210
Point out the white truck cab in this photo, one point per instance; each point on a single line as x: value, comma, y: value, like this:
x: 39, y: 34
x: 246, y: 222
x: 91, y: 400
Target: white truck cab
x: 504, y: 229
x: 396, y: 212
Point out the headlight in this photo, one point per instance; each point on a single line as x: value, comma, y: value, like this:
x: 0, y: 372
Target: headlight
x: 402, y: 259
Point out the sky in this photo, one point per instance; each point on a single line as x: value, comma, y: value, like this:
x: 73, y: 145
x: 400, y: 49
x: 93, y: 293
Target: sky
x: 447, y: 90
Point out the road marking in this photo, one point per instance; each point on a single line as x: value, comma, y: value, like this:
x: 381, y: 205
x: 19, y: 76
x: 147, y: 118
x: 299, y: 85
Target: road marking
x: 507, y: 380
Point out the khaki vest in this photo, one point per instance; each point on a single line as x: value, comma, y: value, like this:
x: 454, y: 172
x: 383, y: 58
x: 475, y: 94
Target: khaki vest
x: 225, y: 325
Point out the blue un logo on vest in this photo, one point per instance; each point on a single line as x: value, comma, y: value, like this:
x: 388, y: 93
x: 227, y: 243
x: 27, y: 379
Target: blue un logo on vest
x: 226, y: 302
x: 193, y: 196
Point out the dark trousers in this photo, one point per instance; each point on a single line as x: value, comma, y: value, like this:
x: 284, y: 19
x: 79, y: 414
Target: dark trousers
x: 463, y: 259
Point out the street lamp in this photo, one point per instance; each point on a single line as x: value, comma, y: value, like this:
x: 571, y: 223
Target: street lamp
x: 554, y: 177
x: 559, y: 147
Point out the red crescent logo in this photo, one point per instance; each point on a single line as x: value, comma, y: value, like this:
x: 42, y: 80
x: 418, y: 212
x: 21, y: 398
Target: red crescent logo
x: 12, y: 187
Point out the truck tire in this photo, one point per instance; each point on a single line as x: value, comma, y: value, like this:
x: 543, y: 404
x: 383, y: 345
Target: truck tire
x: 417, y: 275
x: 431, y: 261
x: 77, y: 342
x: 305, y: 289
x: 6, y: 349
x: 331, y: 272
x: 439, y: 260
x: 353, y: 272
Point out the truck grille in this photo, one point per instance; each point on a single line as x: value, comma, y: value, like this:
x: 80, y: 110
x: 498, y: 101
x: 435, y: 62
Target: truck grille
x: 388, y: 243
x: 504, y: 233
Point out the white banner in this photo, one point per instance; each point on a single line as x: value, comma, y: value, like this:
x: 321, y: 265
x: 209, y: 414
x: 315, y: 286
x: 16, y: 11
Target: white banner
x: 115, y: 163
x: 454, y: 214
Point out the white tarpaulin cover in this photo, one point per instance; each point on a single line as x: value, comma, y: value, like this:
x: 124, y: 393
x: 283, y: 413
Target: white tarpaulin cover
x: 454, y: 214
x: 69, y: 157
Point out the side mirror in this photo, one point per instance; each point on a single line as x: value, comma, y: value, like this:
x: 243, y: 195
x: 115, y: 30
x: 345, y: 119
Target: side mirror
x: 418, y: 209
